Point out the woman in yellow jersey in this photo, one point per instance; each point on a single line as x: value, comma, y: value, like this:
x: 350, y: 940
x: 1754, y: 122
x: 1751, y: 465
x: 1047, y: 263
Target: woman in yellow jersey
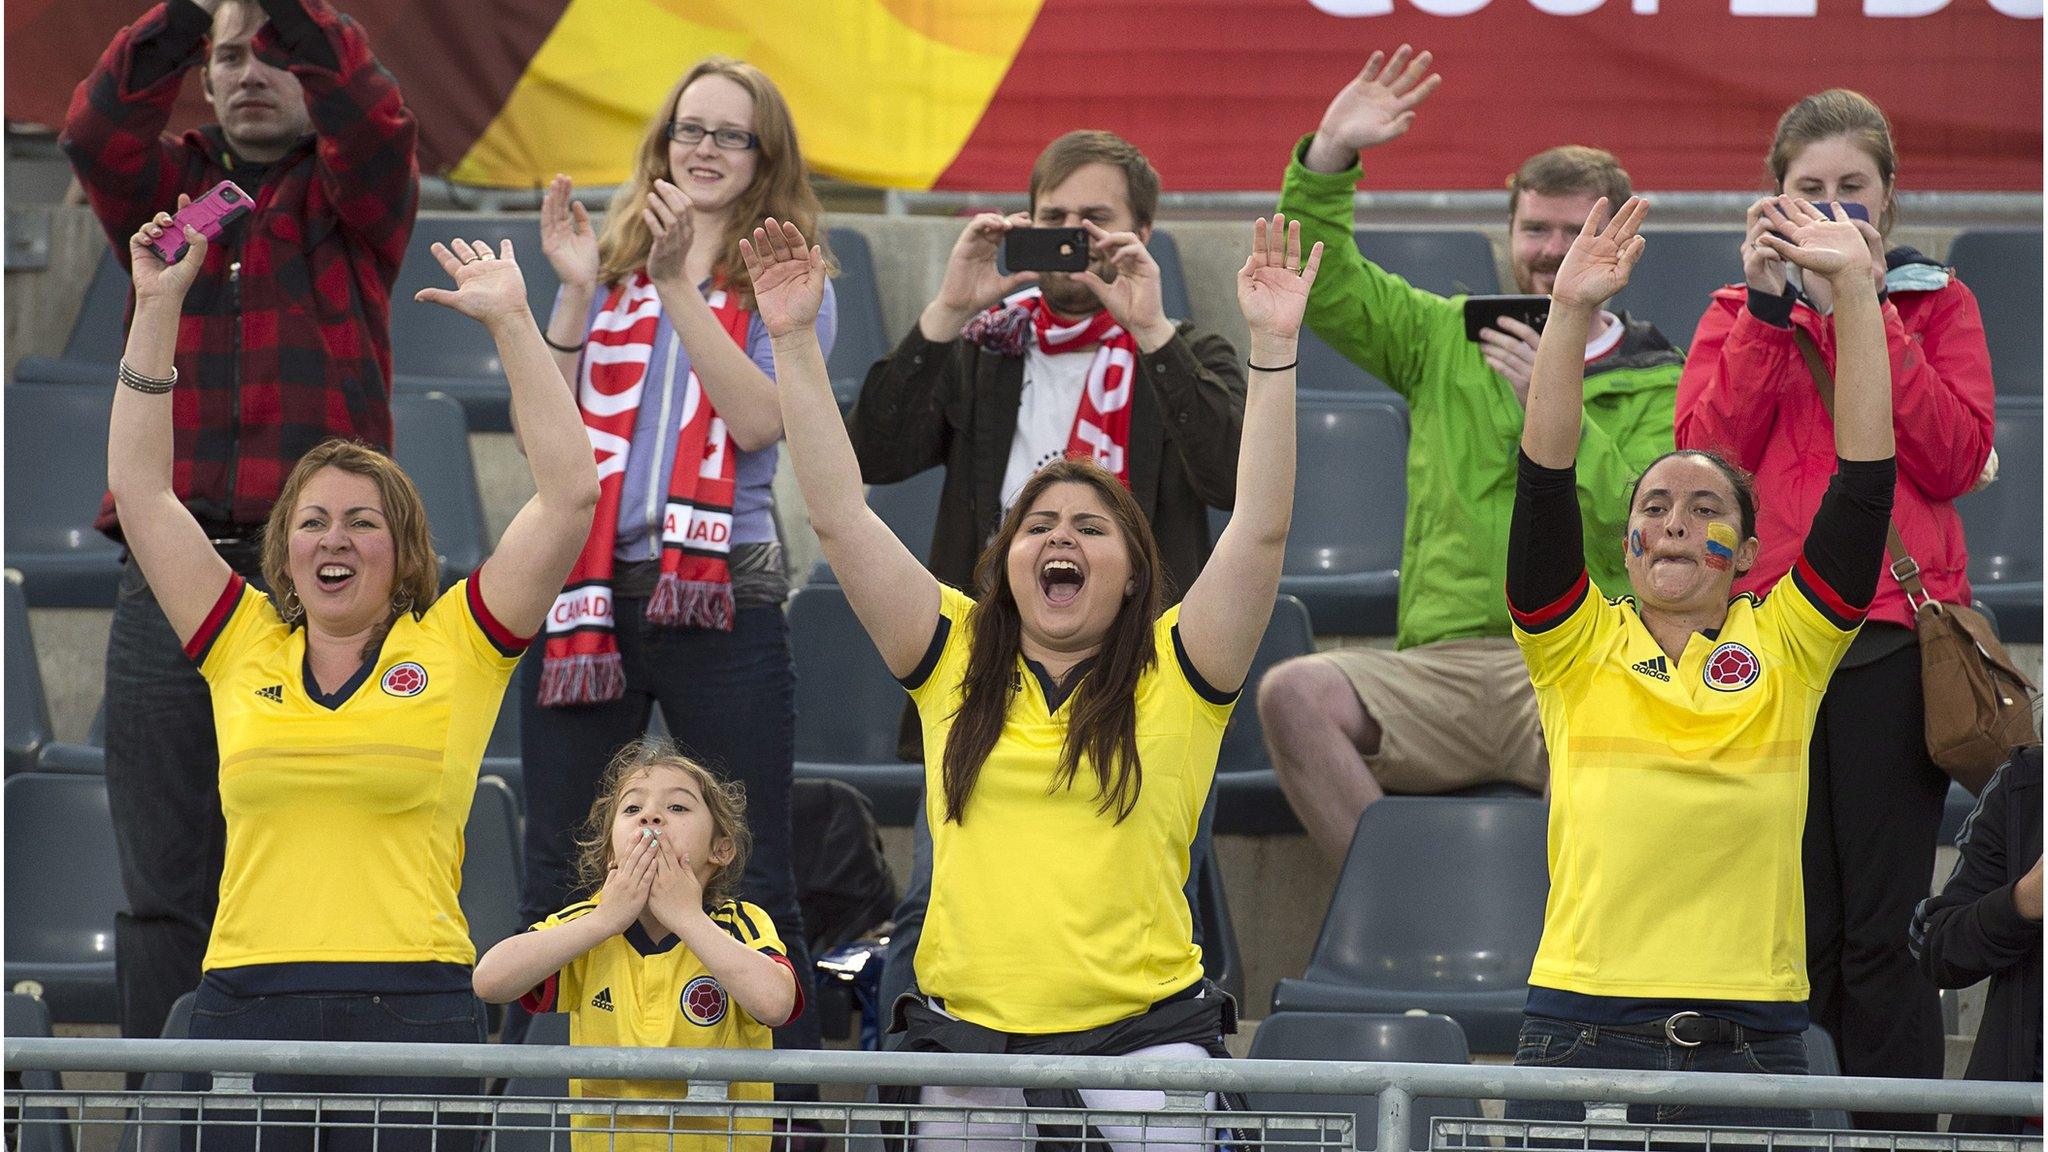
x: 352, y: 705
x: 1070, y: 726
x: 1678, y: 719
x: 659, y: 952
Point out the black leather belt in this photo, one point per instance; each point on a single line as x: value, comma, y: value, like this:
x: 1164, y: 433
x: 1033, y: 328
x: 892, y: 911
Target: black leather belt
x: 1690, y: 1030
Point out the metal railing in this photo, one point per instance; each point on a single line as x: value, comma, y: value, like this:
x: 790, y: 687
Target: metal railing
x: 1187, y: 1085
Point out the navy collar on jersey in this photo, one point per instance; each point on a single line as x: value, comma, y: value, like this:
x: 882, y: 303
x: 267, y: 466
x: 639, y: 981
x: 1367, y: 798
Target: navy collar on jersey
x: 335, y: 699
x: 1057, y: 692
x: 637, y: 936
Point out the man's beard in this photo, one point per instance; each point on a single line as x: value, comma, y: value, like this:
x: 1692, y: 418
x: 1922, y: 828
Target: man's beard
x: 1070, y: 297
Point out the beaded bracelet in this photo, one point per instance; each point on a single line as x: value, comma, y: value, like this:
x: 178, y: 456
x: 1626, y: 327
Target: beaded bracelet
x: 149, y: 385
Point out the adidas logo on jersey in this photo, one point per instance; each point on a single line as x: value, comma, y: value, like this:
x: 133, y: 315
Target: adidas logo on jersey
x: 274, y: 693
x: 603, y: 1000
x: 1656, y: 668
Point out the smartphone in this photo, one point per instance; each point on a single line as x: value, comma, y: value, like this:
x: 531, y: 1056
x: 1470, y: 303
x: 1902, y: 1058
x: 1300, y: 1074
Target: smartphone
x: 1045, y: 249
x: 1482, y: 312
x: 209, y: 216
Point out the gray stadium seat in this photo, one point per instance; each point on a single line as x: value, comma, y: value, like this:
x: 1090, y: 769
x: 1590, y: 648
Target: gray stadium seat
x: 847, y: 706
x: 158, y: 1129
x: 1822, y: 1061
x: 1222, y: 962
x: 1446, y: 261
x: 94, y: 347
x: 434, y: 349
x: 490, y: 865
x: 89, y: 757
x: 1248, y: 799
x: 1439, y: 907
x: 1375, y: 1037
x: 861, y: 339
x: 28, y: 712
x: 1956, y: 807
x: 63, y: 889
x: 909, y: 507
x: 2003, y: 268
x: 431, y: 442
x: 1173, y: 283
x: 39, y: 1129
x: 1344, y: 552
x: 2002, y: 525
x: 1679, y: 272
x: 56, y: 441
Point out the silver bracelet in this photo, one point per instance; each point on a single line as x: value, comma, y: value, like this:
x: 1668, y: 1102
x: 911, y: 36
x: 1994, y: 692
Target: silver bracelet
x: 149, y: 385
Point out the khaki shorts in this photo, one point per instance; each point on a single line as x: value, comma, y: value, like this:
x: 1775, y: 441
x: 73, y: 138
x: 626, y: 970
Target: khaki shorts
x: 1453, y: 714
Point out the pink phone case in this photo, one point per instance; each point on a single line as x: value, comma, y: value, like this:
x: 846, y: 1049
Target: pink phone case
x: 208, y: 216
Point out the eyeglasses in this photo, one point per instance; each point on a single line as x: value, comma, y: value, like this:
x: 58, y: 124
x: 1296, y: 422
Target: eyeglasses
x: 729, y: 139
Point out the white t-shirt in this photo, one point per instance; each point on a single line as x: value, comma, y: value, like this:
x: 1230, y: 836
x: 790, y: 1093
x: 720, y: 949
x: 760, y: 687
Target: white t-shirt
x: 1045, y: 413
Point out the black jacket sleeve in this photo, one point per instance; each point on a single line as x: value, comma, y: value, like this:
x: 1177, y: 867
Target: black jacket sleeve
x: 173, y: 48
x: 1844, y: 550
x: 898, y: 425
x: 1973, y: 929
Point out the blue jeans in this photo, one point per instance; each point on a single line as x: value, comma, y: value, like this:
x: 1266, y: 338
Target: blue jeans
x: 400, y: 1017
x: 729, y: 699
x: 898, y: 974
x: 1548, y: 1043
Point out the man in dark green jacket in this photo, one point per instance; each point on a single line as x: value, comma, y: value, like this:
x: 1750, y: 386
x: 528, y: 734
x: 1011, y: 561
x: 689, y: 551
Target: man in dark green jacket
x: 1451, y: 707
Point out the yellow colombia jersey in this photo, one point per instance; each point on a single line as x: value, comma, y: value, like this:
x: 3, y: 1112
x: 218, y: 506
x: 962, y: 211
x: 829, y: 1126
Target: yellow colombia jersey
x: 1678, y: 793
x: 629, y: 992
x: 345, y: 813
x: 1046, y: 916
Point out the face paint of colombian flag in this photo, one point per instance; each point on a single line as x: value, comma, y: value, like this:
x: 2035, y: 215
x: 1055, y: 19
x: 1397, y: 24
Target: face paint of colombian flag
x: 1720, y: 546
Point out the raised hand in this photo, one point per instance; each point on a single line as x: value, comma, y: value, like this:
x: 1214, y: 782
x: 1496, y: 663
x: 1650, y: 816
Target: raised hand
x: 1377, y: 106
x: 1832, y: 247
x: 488, y: 285
x: 566, y: 237
x: 1761, y: 267
x: 788, y: 276
x: 1601, y: 259
x: 668, y: 216
x: 629, y: 882
x: 1273, y: 285
x: 154, y: 278
x: 1133, y: 298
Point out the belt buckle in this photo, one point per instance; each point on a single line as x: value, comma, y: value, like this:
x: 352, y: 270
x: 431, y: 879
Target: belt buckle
x: 1671, y: 1029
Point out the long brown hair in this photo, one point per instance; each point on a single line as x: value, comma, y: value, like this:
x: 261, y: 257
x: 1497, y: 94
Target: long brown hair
x: 1826, y: 115
x: 415, y: 579
x: 1103, y: 718
x: 724, y: 801
x: 781, y: 186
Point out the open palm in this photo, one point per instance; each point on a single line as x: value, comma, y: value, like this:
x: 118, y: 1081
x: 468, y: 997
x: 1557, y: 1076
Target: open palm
x: 566, y: 237
x: 1273, y: 285
x: 788, y: 276
x: 1802, y: 234
x: 488, y: 284
x: 1379, y: 103
x: 1601, y: 259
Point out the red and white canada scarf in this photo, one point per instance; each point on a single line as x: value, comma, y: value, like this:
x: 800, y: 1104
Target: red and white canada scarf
x: 1102, y: 421
x: 580, y: 663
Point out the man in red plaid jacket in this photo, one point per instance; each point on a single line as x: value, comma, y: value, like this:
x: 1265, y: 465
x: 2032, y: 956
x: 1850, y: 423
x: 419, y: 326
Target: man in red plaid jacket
x: 285, y: 342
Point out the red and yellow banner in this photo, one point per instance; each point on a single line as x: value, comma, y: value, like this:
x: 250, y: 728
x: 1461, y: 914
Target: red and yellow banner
x: 962, y: 94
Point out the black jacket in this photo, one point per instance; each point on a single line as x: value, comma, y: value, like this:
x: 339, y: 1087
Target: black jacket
x: 1972, y: 930
x: 955, y: 404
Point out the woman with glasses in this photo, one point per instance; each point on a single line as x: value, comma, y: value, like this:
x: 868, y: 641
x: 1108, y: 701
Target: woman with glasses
x: 677, y: 597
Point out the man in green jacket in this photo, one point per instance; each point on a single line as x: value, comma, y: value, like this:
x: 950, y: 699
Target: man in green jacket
x: 1451, y: 707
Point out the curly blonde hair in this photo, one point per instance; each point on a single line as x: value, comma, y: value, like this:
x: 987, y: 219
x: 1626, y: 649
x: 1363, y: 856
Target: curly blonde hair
x: 726, y: 801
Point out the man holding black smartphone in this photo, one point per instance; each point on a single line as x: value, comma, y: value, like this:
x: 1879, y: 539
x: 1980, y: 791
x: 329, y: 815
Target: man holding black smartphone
x: 1451, y: 708
x: 1006, y: 372
x: 285, y: 342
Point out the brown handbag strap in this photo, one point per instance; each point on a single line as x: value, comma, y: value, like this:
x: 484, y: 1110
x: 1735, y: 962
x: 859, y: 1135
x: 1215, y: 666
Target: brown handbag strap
x: 1904, y: 568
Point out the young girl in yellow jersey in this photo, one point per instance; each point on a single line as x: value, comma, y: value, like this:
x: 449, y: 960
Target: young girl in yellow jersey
x: 661, y: 955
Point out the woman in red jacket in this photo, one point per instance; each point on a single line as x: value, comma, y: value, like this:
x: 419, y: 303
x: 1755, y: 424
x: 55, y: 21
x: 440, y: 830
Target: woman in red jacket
x: 1747, y: 392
